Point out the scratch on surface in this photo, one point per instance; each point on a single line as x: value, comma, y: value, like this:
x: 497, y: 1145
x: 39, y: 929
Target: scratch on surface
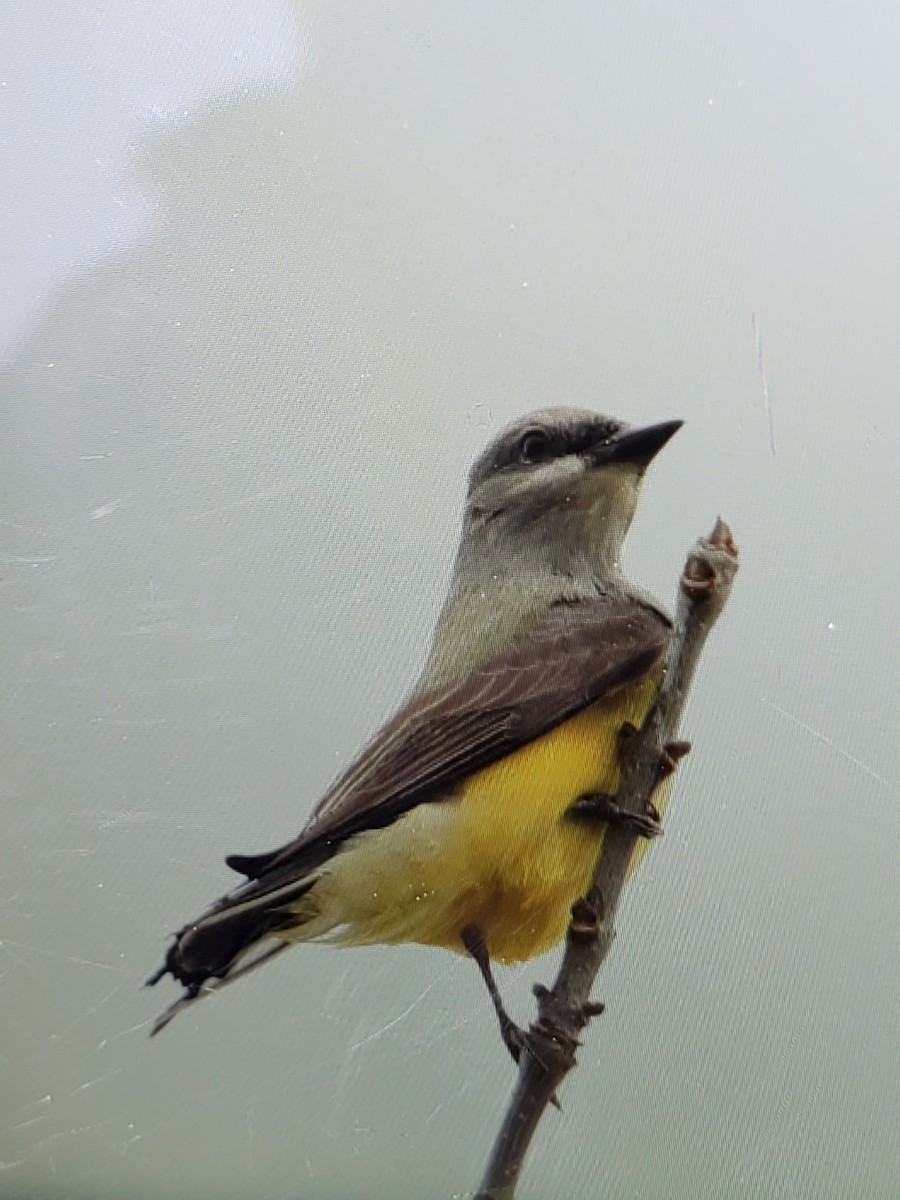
x: 833, y: 745
x: 123, y: 723
x: 75, y: 1132
x: 104, y: 1000
x: 341, y: 1085
x: 125, y: 1033
x: 218, y: 509
x: 83, y: 1087
x: 764, y: 382
x: 431, y: 1116
x: 23, y: 528
x: 137, y: 815
x: 104, y: 510
x: 30, y: 1121
x: 29, y: 560
x: 6, y: 944
x: 400, y: 1016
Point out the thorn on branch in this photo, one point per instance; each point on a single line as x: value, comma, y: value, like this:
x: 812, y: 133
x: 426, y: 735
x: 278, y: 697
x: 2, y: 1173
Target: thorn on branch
x: 592, y: 1008
x: 672, y: 753
x: 585, y: 923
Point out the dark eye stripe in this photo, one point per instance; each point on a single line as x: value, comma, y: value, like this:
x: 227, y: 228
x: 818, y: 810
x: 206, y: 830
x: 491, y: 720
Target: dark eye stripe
x: 572, y: 439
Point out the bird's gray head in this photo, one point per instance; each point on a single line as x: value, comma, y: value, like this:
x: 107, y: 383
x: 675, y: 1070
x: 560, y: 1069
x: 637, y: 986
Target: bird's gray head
x: 559, y: 486
x: 549, y: 503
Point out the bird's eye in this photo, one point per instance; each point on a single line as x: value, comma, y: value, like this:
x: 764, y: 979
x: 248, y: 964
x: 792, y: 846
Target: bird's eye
x: 534, y: 447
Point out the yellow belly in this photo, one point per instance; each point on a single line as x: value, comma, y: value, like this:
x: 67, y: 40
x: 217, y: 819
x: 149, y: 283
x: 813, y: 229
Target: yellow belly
x: 501, y: 854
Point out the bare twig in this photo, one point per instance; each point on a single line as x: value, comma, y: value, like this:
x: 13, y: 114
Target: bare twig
x: 648, y: 756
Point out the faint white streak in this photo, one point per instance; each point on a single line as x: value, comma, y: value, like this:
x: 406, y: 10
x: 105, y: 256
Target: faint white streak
x: 400, y: 1016
x: 125, y: 1033
x: 104, y: 1000
x: 90, y: 1083
x: 431, y: 1116
x: 23, y: 528
x: 29, y: 560
x: 126, y: 1143
x: 827, y: 741
x: 763, y: 382
x: 6, y: 944
x: 242, y: 503
x: 26, y: 1124
x: 104, y: 510
x: 77, y: 1131
x: 130, y: 817
x: 23, y: 962
x: 340, y: 1088
x: 122, y: 723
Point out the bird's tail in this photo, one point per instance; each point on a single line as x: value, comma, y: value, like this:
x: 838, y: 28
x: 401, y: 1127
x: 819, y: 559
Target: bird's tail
x: 234, y: 937
x: 195, y: 992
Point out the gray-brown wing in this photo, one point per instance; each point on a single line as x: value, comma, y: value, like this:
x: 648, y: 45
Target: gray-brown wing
x: 579, y: 654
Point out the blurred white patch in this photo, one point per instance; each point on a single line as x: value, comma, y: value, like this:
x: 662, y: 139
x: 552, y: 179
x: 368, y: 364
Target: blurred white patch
x: 104, y: 510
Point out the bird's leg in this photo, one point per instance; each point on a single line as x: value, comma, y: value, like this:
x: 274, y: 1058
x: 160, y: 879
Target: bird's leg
x: 514, y: 1038
x: 599, y: 806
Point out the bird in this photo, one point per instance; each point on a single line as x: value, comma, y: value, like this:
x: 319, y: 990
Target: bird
x: 473, y: 819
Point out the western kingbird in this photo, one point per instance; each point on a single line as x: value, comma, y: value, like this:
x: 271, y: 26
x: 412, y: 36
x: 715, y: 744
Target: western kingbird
x: 474, y: 817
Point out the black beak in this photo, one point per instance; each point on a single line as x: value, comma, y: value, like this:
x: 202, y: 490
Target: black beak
x: 637, y: 446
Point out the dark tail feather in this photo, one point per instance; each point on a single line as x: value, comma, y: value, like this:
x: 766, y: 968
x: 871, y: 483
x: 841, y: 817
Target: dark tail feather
x: 198, y: 991
x: 216, y: 946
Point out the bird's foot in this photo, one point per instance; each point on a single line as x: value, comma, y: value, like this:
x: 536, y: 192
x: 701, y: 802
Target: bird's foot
x: 599, y: 806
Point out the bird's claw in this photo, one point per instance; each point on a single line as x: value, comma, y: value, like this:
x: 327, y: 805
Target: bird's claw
x: 598, y: 806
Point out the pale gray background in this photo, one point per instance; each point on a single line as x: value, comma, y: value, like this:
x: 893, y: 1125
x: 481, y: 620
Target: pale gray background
x: 272, y: 274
